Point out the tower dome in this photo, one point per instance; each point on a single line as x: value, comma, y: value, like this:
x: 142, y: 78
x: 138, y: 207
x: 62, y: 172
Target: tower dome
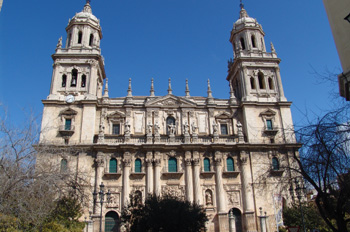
x: 244, y: 20
x: 86, y: 15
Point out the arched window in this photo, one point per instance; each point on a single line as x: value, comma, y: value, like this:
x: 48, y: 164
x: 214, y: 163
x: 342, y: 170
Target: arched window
x: 230, y: 166
x: 253, y: 41
x: 113, y: 165
x: 83, y: 80
x: 138, y: 165
x: 261, y: 80
x: 91, y: 40
x: 73, y: 83
x: 206, y: 165
x: 242, y: 43
x: 111, y: 222
x: 63, y: 165
x: 275, y: 164
x: 271, y: 85
x: 80, y: 37
x: 172, y: 165
x: 252, y: 83
x: 170, y: 125
x: 69, y: 39
x: 64, y: 80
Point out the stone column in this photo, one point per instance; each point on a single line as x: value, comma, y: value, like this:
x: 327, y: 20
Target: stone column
x: 247, y: 192
x: 220, y: 196
x: 189, y: 186
x: 149, y: 181
x: 157, y: 163
x: 280, y: 87
x: 99, y: 162
x: 126, y: 175
x: 196, y: 181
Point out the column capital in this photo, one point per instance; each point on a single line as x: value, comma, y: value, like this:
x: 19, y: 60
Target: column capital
x: 157, y: 162
x: 127, y: 162
x: 244, y: 157
x: 148, y: 162
x: 188, y: 161
x: 196, y: 161
x: 99, y: 159
x: 217, y: 161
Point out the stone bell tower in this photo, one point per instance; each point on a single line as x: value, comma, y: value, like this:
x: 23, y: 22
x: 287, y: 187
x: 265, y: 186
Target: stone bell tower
x: 254, y: 73
x: 78, y: 68
x: 77, y: 82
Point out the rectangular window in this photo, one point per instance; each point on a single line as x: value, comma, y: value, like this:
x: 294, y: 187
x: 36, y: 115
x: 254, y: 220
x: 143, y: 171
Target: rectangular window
x: 269, y: 124
x: 223, y: 128
x: 116, y: 129
x: 68, y: 124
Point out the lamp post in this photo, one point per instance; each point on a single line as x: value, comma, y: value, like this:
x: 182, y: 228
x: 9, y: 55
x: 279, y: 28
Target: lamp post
x: 101, y: 194
x: 299, y: 191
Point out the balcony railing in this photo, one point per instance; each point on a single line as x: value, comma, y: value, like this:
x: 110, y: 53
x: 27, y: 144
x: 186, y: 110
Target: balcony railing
x: 164, y: 139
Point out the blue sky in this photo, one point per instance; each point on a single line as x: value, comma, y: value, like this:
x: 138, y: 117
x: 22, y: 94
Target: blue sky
x: 166, y: 38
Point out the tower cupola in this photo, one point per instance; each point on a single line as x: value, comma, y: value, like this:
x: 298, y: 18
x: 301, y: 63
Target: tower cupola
x: 247, y: 34
x: 84, y: 30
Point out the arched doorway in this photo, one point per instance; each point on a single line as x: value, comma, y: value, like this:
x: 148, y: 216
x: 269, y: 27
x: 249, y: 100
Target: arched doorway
x: 111, y: 222
x: 235, y: 220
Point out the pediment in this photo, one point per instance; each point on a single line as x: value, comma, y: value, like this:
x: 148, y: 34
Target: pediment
x: 171, y: 101
x: 116, y: 114
x: 268, y: 112
x: 68, y: 111
x: 223, y: 115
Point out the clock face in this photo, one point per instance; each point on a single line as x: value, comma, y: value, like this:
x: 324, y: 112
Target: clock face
x: 69, y: 98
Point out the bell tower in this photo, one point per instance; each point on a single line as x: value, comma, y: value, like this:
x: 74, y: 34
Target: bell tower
x: 254, y: 72
x: 78, y: 70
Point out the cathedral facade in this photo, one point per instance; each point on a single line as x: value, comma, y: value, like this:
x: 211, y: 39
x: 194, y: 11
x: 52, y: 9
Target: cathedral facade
x: 224, y: 154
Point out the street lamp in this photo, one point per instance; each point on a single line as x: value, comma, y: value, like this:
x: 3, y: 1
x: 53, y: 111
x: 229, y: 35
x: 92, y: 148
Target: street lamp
x: 300, y: 192
x: 101, y: 195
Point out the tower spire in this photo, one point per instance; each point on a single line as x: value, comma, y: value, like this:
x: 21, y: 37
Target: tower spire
x: 129, y: 89
x: 241, y: 5
x: 170, y: 91
x: 187, y: 91
x: 152, y: 88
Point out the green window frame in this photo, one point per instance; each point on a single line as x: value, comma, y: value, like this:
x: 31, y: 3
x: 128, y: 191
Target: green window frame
x: 113, y: 165
x: 269, y: 124
x: 172, y: 165
x: 206, y: 163
x: 64, y: 165
x: 275, y: 164
x: 68, y: 124
x: 138, y: 165
x: 230, y: 165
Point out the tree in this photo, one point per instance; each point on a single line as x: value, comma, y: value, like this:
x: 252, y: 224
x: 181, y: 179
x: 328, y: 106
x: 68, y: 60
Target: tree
x: 324, y: 162
x: 29, y: 193
x: 313, y: 220
x: 165, y: 213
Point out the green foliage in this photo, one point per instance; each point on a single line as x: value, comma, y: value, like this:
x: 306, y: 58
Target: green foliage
x: 312, y: 218
x: 65, y: 216
x: 165, y: 213
x: 8, y: 223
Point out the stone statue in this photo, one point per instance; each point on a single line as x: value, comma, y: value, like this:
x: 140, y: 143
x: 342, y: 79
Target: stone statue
x: 156, y: 129
x: 215, y: 128
x: 208, y: 198
x: 127, y: 128
x: 194, y: 128
x: 171, y: 129
x: 59, y: 44
x: 186, y: 129
x: 149, y: 129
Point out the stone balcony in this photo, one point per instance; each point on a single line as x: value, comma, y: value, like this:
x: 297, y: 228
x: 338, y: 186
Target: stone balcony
x: 165, y: 139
